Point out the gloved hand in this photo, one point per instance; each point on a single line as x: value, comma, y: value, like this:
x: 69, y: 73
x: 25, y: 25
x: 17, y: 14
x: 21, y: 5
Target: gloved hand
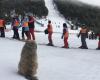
x: 62, y: 37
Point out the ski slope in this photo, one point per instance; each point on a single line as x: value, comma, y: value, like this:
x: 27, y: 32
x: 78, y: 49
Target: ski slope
x: 56, y: 18
x: 54, y: 63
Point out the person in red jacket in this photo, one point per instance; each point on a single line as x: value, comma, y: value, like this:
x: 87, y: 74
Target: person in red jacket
x: 65, y: 35
x: 50, y: 31
x: 2, y: 27
x: 31, y: 26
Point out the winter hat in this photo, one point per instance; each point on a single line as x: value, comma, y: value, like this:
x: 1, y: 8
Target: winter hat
x: 49, y: 21
x: 65, y: 25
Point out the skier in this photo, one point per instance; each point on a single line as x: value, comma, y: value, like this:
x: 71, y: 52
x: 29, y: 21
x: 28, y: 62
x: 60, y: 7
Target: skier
x: 50, y: 31
x: 98, y: 42
x: 25, y: 28
x: 2, y: 27
x: 65, y: 35
x: 15, y: 26
x: 31, y: 26
x: 84, y: 34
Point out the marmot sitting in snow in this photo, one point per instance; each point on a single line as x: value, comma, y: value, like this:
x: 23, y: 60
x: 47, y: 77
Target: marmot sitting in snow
x: 28, y: 62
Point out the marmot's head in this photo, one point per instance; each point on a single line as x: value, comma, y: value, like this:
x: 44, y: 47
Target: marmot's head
x: 31, y: 44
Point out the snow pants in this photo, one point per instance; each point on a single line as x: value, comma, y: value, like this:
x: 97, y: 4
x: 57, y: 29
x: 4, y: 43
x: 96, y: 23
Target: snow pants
x: 31, y: 30
x: 27, y: 33
x: 50, y: 38
x: 16, y: 34
x: 83, y: 40
x: 99, y: 44
x: 2, y: 32
x: 66, y: 42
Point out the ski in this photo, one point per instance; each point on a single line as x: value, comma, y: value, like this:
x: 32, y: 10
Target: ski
x: 66, y: 48
x: 49, y: 45
x: 52, y: 46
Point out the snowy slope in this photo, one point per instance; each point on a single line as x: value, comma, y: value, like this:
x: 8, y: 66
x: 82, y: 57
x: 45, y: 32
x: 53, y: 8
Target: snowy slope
x: 9, y: 58
x: 56, y: 18
x: 53, y: 15
x: 54, y: 63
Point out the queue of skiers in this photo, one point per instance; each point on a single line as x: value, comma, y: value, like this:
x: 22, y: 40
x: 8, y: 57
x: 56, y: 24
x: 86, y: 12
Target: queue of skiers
x: 83, y: 33
x: 27, y: 24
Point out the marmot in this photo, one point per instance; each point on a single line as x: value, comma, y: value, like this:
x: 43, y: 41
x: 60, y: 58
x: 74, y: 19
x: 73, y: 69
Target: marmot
x: 28, y: 62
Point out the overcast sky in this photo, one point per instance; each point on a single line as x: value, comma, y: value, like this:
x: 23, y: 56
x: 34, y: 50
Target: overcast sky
x: 93, y: 2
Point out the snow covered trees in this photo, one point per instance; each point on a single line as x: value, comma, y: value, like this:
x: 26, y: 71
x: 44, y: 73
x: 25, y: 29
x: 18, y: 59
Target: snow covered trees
x: 85, y: 14
x: 37, y: 7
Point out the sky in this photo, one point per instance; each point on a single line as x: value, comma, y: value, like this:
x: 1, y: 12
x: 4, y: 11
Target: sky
x: 93, y: 2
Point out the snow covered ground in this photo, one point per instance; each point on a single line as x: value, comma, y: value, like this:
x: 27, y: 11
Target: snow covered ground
x: 54, y: 63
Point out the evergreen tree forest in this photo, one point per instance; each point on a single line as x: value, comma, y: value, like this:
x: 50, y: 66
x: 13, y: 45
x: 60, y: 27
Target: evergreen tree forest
x: 83, y: 13
x: 36, y: 7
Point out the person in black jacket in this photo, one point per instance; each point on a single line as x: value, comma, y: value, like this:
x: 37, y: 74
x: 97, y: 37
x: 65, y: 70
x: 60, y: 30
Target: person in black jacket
x: 15, y: 26
x: 31, y: 26
x: 65, y: 35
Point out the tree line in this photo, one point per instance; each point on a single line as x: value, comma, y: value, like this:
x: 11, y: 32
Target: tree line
x: 83, y: 13
x: 36, y: 7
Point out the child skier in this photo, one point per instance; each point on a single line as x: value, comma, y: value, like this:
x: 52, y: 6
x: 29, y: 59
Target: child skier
x: 65, y: 35
x: 50, y: 31
x: 84, y: 34
x: 31, y: 26
x: 25, y: 28
x: 15, y: 26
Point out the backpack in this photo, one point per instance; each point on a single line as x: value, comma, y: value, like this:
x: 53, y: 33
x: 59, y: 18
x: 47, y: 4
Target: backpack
x: 46, y: 31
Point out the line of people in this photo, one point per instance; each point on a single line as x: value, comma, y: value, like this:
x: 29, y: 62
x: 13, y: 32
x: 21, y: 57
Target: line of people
x: 49, y: 31
x: 27, y: 24
x: 83, y: 33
